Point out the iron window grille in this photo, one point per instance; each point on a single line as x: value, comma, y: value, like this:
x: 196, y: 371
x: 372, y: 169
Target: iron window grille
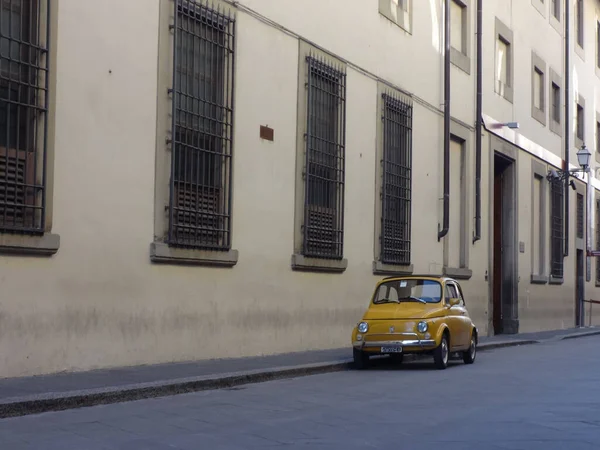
x: 396, y: 192
x: 323, y: 228
x: 202, y: 127
x: 598, y: 240
x: 580, y: 216
x: 556, y: 229
x: 24, y: 73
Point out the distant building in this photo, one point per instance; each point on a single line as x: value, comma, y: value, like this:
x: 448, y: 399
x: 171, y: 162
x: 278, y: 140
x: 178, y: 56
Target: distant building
x: 187, y: 179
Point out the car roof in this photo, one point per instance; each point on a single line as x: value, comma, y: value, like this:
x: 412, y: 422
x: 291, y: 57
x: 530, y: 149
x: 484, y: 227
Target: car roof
x: 430, y: 276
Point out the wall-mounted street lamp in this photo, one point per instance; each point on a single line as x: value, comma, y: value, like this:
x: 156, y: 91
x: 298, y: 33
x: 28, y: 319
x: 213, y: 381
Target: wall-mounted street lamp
x: 511, y: 125
x: 583, y: 158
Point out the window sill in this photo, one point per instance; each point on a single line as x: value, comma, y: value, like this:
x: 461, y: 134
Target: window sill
x: 16, y: 244
x: 460, y: 60
x: 579, y: 51
x: 504, y: 91
x: 461, y: 273
x: 556, y: 22
x: 458, y: 273
x: 539, y: 279
x: 398, y: 21
x: 539, y: 115
x: 304, y: 264
x: 554, y: 280
x: 162, y: 253
x: 380, y: 268
x: 556, y: 127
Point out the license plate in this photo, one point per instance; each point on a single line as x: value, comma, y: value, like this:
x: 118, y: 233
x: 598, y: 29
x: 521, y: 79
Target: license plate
x: 391, y: 349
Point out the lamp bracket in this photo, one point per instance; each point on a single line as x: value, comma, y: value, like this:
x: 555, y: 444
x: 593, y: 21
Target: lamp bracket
x: 561, y: 175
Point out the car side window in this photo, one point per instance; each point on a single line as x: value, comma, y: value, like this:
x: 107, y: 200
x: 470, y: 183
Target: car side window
x: 460, y: 295
x: 448, y: 293
x: 457, y: 294
x: 453, y: 292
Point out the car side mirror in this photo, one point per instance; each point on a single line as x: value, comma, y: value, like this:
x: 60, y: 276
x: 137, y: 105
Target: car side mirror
x: 454, y: 301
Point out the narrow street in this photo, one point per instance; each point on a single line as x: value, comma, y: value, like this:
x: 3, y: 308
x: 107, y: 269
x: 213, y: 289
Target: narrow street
x: 544, y: 396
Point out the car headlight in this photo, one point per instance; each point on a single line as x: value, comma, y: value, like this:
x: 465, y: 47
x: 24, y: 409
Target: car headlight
x: 422, y: 327
x: 363, y: 327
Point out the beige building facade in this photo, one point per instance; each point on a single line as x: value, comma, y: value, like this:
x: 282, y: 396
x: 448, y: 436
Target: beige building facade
x: 193, y: 179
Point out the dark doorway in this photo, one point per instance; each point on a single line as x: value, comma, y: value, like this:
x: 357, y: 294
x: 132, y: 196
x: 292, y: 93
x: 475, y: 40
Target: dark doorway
x: 505, y: 315
x: 579, y: 286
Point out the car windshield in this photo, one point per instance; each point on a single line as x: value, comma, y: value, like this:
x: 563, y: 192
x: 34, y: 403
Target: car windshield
x: 408, y: 290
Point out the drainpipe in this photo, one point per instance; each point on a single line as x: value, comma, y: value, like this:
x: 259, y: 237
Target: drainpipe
x: 567, y: 119
x: 446, y: 219
x: 588, y: 243
x: 478, y: 123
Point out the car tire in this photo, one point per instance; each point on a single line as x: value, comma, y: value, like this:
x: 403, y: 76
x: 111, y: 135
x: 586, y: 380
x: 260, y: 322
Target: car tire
x: 361, y: 359
x: 441, y: 354
x: 471, y: 353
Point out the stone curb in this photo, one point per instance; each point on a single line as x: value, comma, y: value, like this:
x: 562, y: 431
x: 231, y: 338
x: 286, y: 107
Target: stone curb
x: 21, y: 406
x: 60, y: 401
x: 580, y: 335
x: 484, y: 346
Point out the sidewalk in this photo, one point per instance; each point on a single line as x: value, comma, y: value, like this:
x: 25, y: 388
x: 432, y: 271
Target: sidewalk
x: 31, y: 395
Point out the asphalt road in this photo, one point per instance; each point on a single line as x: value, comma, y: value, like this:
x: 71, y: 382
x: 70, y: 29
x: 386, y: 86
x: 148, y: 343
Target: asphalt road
x: 533, y: 397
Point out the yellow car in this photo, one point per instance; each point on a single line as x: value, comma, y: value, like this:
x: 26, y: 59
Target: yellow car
x: 416, y: 314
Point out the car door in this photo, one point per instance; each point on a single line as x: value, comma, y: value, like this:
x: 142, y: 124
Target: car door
x: 453, y: 317
x: 462, y: 316
x: 466, y: 323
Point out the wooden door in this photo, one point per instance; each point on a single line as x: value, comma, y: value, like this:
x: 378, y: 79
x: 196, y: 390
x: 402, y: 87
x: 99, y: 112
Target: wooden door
x: 497, y: 269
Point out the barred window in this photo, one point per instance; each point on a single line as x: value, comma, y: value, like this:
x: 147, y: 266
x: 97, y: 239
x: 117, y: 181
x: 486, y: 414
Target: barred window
x: 579, y: 22
x: 202, y: 128
x: 556, y: 103
x: 24, y: 99
x: 598, y: 240
x: 580, y: 216
x: 556, y: 9
x: 396, y: 183
x: 580, y: 123
x: 556, y: 229
x: 325, y: 161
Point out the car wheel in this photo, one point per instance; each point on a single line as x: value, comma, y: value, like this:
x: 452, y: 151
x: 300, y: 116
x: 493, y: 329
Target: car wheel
x: 469, y: 355
x: 361, y: 359
x: 441, y: 353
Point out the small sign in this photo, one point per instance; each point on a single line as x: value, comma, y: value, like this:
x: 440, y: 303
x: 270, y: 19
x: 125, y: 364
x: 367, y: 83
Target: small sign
x: 403, y: 284
x: 522, y: 247
x: 266, y: 133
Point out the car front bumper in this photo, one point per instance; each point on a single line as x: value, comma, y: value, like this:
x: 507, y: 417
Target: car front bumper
x: 410, y: 343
